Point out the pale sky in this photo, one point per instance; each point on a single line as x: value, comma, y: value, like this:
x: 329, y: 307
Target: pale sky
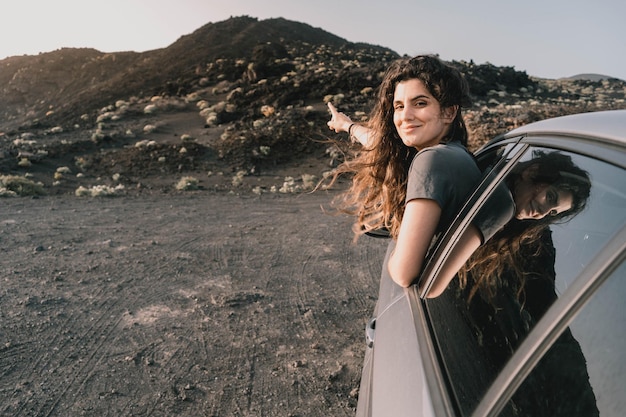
x: 545, y: 38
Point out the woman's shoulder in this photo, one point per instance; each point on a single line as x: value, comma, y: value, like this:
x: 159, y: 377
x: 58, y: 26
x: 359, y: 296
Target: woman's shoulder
x: 448, y: 147
x: 445, y: 152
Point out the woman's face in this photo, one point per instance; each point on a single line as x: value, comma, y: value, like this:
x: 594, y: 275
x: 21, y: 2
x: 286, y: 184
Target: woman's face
x: 417, y: 115
x: 536, y: 201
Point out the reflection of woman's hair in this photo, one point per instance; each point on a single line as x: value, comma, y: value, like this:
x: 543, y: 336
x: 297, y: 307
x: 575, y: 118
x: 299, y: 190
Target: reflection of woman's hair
x: 380, y: 170
x: 503, y: 251
x: 556, y: 170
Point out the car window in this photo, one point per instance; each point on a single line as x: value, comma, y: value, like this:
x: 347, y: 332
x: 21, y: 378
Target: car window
x: 584, y: 372
x: 513, y: 279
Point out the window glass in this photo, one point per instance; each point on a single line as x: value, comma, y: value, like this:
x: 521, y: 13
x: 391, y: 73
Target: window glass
x: 562, y: 208
x: 584, y: 372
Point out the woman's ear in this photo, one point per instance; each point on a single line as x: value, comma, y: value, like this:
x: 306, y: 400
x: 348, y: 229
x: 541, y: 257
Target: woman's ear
x: 449, y: 113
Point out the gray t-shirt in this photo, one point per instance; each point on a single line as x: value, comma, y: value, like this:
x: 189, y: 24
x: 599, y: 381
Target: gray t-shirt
x: 445, y: 173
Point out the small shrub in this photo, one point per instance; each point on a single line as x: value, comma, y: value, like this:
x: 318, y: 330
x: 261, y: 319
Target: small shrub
x: 308, y: 181
x: 99, y: 191
x: 11, y: 185
x: 238, y: 178
x: 267, y: 111
x: 82, y: 163
x: 7, y: 193
x: 289, y: 186
x: 187, y: 183
x: 145, y: 144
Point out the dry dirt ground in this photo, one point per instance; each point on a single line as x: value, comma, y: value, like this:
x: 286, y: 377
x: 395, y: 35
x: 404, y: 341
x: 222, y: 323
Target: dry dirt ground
x: 188, y: 304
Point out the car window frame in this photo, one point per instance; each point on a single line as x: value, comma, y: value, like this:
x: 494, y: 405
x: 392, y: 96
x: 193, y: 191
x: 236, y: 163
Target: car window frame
x: 597, y: 148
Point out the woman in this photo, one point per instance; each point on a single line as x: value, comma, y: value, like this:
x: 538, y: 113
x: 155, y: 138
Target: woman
x: 413, y: 172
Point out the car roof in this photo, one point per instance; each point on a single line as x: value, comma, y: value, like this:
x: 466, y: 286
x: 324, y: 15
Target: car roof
x: 609, y: 125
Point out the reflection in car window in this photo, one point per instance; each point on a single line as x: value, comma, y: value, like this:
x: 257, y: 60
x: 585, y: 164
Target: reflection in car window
x: 519, y: 272
x: 583, y: 373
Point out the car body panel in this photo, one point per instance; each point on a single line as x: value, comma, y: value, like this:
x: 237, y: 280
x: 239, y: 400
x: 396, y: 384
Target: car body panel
x: 607, y: 126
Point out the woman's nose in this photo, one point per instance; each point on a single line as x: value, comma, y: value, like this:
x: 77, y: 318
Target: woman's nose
x: 544, y: 208
x: 542, y: 211
x: 406, y: 113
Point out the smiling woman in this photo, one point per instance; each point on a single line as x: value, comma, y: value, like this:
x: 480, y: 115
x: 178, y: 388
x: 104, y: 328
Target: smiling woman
x: 532, y: 327
x: 413, y: 172
x: 418, y: 117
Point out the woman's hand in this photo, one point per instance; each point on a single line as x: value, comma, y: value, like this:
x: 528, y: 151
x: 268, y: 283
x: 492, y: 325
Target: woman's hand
x: 339, y: 122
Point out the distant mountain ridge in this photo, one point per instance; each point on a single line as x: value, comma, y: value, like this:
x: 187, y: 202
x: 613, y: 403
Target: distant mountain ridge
x: 69, y: 86
x: 591, y: 77
x: 61, y: 82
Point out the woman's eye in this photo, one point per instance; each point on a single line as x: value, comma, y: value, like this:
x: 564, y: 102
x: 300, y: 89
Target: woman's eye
x: 552, y: 197
x: 553, y: 212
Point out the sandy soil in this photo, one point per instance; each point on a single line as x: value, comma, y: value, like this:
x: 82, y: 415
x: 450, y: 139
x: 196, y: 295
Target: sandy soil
x: 192, y: 304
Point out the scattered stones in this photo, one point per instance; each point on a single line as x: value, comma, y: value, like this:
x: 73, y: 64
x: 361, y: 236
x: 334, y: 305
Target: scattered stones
x: 262, y: 108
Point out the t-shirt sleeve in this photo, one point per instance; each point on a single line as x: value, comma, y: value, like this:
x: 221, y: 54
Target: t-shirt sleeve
x: 430, y: 178
x: 496, y: 212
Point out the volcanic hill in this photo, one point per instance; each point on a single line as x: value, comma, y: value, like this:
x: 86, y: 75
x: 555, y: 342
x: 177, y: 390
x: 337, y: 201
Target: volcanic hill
x: 235, y: 105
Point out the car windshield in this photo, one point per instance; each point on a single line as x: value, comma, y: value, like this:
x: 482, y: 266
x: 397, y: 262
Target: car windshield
x: 565, y: 212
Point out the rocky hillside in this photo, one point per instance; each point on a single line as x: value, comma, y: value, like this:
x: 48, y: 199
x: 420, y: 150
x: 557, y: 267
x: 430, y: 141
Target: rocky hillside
x: 239, y: 103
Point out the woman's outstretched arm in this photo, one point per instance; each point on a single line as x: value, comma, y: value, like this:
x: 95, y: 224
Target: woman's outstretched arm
x: 339, y: 122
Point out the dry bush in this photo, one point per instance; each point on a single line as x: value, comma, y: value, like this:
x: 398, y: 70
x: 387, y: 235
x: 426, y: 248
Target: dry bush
x: 99, y: 191
x: 187, y: 183
x: 14, y: 185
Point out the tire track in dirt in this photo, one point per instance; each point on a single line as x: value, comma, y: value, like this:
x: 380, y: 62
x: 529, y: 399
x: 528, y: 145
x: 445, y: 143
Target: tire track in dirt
x: 68, y: 351
x: 182, y: 305
x: 77, y: 350
x: 46, y: 360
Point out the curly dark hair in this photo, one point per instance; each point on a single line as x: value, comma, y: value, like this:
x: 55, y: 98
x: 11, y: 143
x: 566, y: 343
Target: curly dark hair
x: 380, y: 170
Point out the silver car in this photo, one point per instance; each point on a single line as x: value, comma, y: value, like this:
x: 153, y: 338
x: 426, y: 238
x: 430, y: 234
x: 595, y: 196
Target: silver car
x: 535, y: 324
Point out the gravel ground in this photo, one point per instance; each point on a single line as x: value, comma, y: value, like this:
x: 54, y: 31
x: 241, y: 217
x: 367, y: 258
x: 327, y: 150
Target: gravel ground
x: 185, y: 304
